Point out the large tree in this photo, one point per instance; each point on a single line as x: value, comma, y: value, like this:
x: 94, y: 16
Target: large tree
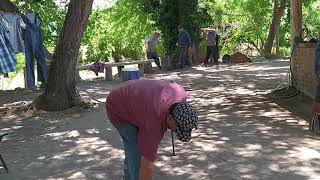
x: 278, y: 11
x: 61, y: 92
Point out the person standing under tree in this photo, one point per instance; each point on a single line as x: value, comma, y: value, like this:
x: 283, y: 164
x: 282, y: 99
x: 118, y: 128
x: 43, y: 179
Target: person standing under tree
x: 184, y: 42
x: 152, y: 44
x: 212, y: 46
x: 142, y: 111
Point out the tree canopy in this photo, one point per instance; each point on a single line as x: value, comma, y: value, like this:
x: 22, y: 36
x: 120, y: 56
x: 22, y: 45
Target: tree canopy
x: 121, y: 30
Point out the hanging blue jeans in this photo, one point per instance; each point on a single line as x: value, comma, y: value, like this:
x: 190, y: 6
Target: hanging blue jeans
x: 132, y: 160
x: 34, y: 49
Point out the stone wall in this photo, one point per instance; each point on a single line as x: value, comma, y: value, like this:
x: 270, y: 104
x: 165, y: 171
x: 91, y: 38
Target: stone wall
x: 303, y: 68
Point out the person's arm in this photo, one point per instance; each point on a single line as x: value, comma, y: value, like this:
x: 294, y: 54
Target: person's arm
x: 149, y: 44
x: 178, y: 40
x: 146, y: 169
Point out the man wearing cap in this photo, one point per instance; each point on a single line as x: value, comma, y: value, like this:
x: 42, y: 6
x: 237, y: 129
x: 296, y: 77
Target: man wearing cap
x: 152, y: 44
x: 142, y: 111
x: 212, y: 45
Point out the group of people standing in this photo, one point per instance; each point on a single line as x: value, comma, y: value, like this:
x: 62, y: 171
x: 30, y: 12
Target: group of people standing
x: 184, y: 42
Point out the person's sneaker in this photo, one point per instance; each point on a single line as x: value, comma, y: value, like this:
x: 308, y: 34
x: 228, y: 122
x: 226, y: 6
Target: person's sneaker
x: 32, y: 89
x: 43, y: 86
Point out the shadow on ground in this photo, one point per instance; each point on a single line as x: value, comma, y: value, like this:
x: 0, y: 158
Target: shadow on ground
x: 242, y: 134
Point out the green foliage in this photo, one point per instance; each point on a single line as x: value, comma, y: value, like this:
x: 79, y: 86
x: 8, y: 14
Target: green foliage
x: 311, y: 19
x: 118, y: 31
x: 238, y: 21
x: 121, y: 31
x: 168, y: 21
x: 168, y: 15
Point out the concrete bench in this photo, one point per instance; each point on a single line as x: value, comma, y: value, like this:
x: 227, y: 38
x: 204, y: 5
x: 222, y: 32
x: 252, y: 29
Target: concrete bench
x: 145, y: 67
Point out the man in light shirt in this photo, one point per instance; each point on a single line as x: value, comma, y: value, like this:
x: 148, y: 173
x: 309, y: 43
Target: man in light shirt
x: 152, y: 44
x: 212, y: 45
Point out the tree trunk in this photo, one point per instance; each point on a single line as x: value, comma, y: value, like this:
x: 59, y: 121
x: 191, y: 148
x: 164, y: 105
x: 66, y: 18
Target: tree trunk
x: 61, y: 92
x: 296, y: 21
x: 278, y: 11
x: 8, y: 6
x: 277, y: 43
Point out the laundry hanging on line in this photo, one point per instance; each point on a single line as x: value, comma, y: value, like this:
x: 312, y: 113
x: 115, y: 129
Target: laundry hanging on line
x: 34, y: 49
x: 16, y: 27
x: 23, y: 35
x: 8, y: 60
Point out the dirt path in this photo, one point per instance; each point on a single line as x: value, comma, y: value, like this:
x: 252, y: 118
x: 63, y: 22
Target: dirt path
x: 242, y: 134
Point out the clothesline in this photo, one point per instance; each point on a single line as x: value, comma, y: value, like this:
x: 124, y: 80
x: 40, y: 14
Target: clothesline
x: 22, y: 35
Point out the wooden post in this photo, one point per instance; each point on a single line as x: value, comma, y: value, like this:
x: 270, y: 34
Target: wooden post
x: 141, y: 68
x: 120, y: 71
x: 108, y: 73
x: 296, y: 21
x: 148, y: 68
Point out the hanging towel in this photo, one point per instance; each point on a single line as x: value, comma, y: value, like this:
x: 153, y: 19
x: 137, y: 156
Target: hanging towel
x: 97, y: 67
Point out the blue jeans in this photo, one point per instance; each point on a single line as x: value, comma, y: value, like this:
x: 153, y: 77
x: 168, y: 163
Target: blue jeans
x: 34, y: 50
x: 184, y: 56
x: 129, y: 135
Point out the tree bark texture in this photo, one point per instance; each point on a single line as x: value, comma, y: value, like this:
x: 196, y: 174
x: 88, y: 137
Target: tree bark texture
x: 296, y: 24
x: 61, y: 92
x: 8, y: 6
x: 278, y: 11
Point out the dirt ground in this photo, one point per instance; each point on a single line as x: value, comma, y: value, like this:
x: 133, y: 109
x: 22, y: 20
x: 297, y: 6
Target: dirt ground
x: 243, y: 133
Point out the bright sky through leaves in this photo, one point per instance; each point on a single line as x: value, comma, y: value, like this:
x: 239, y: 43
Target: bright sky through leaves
x: 97, y: 4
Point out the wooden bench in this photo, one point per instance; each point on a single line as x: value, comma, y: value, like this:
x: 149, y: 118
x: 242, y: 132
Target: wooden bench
x: 145, y: 67
x: 3, y: 164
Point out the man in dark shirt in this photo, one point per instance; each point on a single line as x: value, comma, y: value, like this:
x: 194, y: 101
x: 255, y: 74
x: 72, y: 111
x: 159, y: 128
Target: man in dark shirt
x: 184, y: 42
